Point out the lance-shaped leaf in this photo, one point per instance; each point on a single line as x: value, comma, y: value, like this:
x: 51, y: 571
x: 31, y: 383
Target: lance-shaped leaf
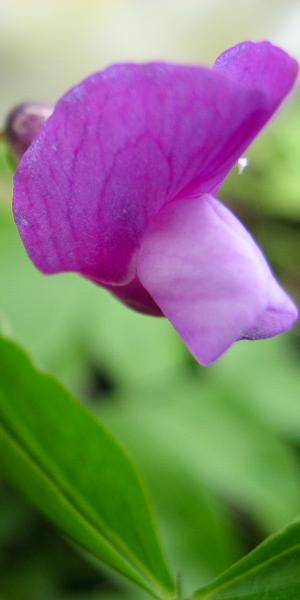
x: 270, y: 572
x: 64, y: 461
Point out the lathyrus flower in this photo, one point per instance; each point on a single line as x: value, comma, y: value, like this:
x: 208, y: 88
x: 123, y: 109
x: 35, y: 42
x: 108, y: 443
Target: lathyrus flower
x: 119, y: 187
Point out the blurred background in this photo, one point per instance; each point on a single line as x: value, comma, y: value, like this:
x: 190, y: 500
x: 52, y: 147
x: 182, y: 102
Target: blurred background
x: 219, y: 447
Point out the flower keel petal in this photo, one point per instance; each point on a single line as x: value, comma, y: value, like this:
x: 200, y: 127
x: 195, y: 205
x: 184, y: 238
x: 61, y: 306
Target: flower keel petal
x: 206, y: 274
x: 279, y: 316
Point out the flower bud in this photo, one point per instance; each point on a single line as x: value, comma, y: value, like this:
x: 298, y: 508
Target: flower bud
x: 24, y: 123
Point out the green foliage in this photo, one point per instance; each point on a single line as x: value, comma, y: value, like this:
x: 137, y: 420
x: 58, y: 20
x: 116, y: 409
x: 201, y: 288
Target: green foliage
x: 215, y: 448
x: 72, y: 469
x: 270, y: 572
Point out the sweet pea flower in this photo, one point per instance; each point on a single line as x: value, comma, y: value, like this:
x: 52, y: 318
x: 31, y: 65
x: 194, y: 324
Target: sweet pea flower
x: 119, y: 187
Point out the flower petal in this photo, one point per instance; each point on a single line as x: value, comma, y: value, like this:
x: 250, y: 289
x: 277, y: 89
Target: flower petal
x: 120, y: 145
x: 260, y: 66
x: 136, y: 297
x: 280, y: 315
x: 207, y: 275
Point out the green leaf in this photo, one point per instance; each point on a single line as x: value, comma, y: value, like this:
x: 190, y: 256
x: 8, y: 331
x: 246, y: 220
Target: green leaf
x: 270, y: 572
x: 62, y: 458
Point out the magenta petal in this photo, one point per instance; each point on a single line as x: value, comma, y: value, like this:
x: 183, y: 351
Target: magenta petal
x: 207, y: 275
x: 124, y: 142
x: 135, y: 296
x: 260, y: 66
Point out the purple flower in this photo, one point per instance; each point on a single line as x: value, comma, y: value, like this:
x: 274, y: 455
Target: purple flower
x: 118, y: 187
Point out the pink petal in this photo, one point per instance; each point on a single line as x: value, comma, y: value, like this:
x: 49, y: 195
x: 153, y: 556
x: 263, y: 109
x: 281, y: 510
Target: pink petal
x: 124, y: 142
x: 279, y: 315
x: 209, y: 278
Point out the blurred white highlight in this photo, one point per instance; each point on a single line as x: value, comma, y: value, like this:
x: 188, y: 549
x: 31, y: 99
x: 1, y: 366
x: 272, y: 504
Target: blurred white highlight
x: 242, y: 163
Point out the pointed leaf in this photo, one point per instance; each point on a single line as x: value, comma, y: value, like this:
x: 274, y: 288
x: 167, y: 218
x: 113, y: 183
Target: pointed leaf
x: 62, y: 458
x: 271, y: 571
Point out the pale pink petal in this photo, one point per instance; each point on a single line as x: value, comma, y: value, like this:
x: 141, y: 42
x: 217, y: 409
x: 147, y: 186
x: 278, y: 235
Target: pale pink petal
x: 206, y: 274
x: 279, y: 315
